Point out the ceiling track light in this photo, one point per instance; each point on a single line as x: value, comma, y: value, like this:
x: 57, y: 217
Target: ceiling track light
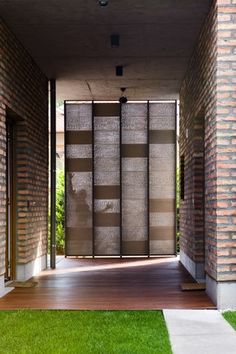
x: 115, y: 40
x: 103, y: 3
x: 123, y: 99
x: 119, y: 70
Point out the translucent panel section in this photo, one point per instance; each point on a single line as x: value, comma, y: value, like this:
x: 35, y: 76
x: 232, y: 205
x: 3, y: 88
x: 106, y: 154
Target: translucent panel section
x: 131, y: 192
x: 160, y: 164
x: 107, y: 206
x: 107, y: 241
x: 107, y: 174
x: 79, y: 151
x: 163, y: 151
x: 162, y: 177
x: 81, y: 179
x: 130, y: 219
x: 134, y: 123
x: 77, y: 247
x: 78, y: 117
x: 131, y: 206
x: 162, y: 247
x: 134, y: 233
x: 132, y: 136
x: 105, y: 150
x: 164, y: 123
x: 162, y: 219
x: 106, y: 137
x: 134, y: 110
x: 107, y: 123
x: 137, y: 164
x: 134, y: 179
x: 79, y: 202
x: 109, y: 165
x: 106, y: 178
x: 162, y: 110
x: 162, y: 192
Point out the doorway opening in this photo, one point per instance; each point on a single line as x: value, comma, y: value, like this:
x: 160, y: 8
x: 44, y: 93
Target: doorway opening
x: 199, y: 192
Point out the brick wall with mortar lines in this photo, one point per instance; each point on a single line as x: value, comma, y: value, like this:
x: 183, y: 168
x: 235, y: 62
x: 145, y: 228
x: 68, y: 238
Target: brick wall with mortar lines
x: 210, y: 87
x: 226, y: 141
x: 198, y: 98
x: 24, y: 89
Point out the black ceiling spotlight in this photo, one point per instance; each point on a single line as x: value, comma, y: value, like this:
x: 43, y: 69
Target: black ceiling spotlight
x: 115, y: 40
x: 119, y: 70
x: 103, y: 2
x: 123, y: 99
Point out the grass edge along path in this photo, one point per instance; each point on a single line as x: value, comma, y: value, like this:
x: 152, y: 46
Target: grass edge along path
x: 97, y: 332
x: 230, y: 316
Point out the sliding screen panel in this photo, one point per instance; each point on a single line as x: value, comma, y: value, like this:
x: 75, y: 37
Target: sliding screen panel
x: 134, y: 179
x: 107, y: 179
x: 78, y: 162
x: 162, y: 164
x: 120, y: 179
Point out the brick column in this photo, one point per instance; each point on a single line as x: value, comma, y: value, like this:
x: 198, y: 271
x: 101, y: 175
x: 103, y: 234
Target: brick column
x: 224, y: 284
x: 198, y: 135
x: 24, y: 94
x: 209, y: 90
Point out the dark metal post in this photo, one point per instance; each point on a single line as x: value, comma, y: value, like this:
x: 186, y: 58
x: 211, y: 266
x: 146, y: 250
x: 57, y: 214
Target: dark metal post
x: 53, y: 173
x: 176, y: 162
x: 93, y: 182
x: 148, y: 175
x: 121, y: 224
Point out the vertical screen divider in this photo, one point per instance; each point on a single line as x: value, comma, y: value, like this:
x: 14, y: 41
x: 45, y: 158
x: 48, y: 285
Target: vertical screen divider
x: 65, y: 180
x: 176, y: 159
x: 93, y: 165
x: 121, y: 228
x: 148, y: 176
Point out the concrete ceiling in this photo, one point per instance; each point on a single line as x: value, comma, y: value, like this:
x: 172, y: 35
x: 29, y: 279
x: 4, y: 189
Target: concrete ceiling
x: 70, y: 40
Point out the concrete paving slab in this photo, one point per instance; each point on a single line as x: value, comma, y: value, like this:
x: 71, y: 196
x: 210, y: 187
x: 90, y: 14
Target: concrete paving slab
x: 204, y: 344
x: 192, y: 322
x: 200, y: 332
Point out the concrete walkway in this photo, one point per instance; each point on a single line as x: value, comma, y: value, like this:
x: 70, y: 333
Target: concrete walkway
x: 199, y: 332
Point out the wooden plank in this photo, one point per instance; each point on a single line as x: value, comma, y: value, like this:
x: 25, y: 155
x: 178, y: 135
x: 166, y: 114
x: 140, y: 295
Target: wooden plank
x: 193, y: 286
x: 110, y: 284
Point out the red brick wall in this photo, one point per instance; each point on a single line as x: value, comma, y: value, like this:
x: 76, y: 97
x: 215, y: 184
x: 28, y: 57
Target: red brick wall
x: 226, y: 141
x: 209, y: 91
x: 23, y: 89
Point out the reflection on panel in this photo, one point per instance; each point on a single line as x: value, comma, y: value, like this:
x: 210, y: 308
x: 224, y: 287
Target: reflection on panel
x: 162, y: 178
x: 107, y: 179
x: 134, y: 179
x: 79, y: 180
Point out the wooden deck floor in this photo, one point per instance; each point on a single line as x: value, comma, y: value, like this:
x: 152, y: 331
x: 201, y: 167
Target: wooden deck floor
x: 114, y: 284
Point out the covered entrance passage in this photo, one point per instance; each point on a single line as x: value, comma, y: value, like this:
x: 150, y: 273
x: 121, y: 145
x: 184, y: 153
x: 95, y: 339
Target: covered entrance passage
x: 120, y: 178
x: 119, y: 181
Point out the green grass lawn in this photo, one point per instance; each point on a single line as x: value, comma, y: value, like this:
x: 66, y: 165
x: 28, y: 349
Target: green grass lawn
x: 230, y: 316
x: 102, y: 332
